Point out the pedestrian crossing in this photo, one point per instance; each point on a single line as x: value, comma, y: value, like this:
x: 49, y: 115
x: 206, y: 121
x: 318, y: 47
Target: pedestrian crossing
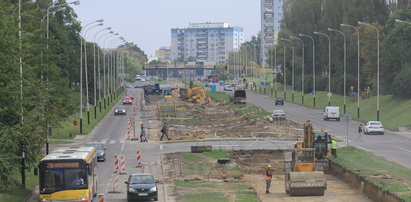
x: 109, y: 141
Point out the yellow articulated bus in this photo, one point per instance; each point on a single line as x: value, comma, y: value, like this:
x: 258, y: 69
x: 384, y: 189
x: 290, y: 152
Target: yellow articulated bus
x: 68, y: 174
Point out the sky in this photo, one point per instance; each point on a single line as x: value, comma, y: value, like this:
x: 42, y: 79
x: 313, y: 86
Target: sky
x: 148, y: 23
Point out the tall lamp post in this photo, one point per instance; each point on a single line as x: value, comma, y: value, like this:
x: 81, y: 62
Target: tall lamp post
x: 104, y: 70
x: 292, y: 67
x: 358, y: 66
x: 345, y: 65
x: 285, y: 69
x: 86, y: 70
x: 106, y: 67
x: 81, y: 73
x: 94, y: 70
x: 302, y: 67
x: 378, y: 66
x: 329, y: 67
x: 314, y: 91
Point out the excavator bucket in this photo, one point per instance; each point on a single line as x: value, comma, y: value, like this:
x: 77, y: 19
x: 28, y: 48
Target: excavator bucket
x: 307, y: 183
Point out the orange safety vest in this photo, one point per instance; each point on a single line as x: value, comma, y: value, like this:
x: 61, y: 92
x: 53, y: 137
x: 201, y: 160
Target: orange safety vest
x: 268, y: 174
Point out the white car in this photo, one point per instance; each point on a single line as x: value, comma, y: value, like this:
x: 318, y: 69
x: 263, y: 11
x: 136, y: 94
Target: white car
x: 278, y: 114
x: 228, y: 88
x: 373, y: 127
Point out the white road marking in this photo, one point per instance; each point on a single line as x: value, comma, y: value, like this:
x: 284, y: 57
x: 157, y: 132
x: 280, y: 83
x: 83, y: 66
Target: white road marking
x: 404, y: 149
x: 104, y: 141
x: 112, y: 142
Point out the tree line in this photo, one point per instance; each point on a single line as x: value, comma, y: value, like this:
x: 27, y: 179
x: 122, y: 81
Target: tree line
x: 40, y: 77
x: 309, y: 16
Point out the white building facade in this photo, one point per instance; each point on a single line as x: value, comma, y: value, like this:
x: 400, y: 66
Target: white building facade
x: 271, y: 16
x: 205, y: 42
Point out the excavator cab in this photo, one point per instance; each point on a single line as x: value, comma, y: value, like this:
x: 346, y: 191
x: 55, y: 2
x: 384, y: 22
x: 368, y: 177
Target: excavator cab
x: 304, y: 160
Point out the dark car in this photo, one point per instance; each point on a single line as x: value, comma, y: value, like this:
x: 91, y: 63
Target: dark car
x: 141, y: 186
x: 279, y: 101
x: 127, y: 101
x: 120, y: 110
x: 101, y: 154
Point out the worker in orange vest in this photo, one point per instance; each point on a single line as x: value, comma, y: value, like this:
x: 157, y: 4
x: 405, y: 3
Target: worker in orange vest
x: 268, y: 176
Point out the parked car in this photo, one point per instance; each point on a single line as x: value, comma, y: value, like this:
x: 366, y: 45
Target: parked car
x: 374, y: 127
x: 120, y: 110
x: 128, y: 86
x: 138, y: 85
x: 279, y: 101
x: 101, y: 153
x: 278, y: 114
x: 331, y: 112
x: 127, y: 100
x: 141, y: 186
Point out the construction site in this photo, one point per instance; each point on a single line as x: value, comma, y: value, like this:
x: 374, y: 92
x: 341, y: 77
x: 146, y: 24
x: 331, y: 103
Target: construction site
x: 298, y: 156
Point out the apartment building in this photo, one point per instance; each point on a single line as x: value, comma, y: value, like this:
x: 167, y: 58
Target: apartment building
x: 271, y: 16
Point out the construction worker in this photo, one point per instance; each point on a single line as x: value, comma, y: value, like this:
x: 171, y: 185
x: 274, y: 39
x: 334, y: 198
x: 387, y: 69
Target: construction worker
x: 268, y: 177
x: 334, y: 148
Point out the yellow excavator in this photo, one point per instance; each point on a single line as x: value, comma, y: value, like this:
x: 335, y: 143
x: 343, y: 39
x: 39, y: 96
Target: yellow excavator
x: 194, y: 95
x: 301, y: 177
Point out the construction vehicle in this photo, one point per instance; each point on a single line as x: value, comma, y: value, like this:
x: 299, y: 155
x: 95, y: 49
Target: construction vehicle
x: 301, y: 176
x: 321, y: 141
x: 194, y: 95
x: 238, y: 97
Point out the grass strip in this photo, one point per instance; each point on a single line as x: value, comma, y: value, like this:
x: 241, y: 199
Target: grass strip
x: 368, y: 165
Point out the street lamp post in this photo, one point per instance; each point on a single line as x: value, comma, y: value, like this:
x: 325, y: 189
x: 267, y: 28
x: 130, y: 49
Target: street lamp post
x: 329, y: 67
x: 106, y: 67
x: 81, y: 73
x: 378, y: 66
x: 86, y: 70
x: 104, y: 70
x: 292, y: 68
x: 302, y: 67
x: 358, y: 67
x: 312, y: 39
x: 94, y: 71
x: 284, y: 70
x: 345, y: 65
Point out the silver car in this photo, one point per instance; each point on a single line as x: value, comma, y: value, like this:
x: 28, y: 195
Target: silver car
x: 278, y: 114
x: 374, y: 127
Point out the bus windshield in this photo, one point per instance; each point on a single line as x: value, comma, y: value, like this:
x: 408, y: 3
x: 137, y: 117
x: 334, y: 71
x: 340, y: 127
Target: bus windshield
x: 52, y: 180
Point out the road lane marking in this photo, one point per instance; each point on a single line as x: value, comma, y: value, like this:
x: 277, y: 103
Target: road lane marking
x: 404, y: 149
x: 104, y: 141
x: 112, y: 142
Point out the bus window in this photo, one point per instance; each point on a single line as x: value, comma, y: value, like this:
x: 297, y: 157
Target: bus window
x: 75, y: 178
x: 53, y: 181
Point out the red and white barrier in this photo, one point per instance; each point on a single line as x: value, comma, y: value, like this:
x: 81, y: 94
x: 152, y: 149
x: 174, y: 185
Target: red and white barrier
x: 115, y: 184
x: 138, y: 158
x: 122, y: 165
x: 100, y: 197
x: 115, y: 163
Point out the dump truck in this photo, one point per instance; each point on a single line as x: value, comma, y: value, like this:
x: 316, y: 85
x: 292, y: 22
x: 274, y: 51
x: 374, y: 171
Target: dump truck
x: 301, y: 176
x: 238, y: 97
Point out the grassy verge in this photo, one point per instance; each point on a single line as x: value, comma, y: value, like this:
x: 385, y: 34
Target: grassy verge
x: 59, y: 142
x: 17, y: 193
x: 394, y: 112
x: 66, y: 127
x: 368, y: 165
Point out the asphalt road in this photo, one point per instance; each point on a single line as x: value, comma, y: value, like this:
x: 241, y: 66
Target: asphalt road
x: 391, y: 146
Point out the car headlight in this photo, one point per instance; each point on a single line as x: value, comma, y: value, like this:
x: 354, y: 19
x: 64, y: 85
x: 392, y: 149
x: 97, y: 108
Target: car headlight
x: 115, y: 111
x: 153, y: 189
x: 124, y: 110
x: 131, y: 190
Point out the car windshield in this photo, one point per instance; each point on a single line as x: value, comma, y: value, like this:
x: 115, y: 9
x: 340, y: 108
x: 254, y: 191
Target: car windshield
x: 278, y: 112
x: 119, y: 108
x: 127, y: 98
x: 142, y: 179
x: 62, y: 179
x: 97, y: 146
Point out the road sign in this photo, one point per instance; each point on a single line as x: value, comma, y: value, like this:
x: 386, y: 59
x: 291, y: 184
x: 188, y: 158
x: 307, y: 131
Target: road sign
x: 314, y: 92
x: 329, y: 94
x: 347, y: 117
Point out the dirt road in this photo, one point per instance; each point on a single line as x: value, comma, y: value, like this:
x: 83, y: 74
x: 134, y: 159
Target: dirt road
x: 337, y: 191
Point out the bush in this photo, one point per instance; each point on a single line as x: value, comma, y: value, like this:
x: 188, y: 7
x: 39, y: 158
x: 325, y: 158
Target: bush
x: 402, y: 82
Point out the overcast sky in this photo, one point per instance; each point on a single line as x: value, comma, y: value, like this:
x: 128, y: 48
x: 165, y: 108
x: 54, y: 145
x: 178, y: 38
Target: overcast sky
x: 147, y: 23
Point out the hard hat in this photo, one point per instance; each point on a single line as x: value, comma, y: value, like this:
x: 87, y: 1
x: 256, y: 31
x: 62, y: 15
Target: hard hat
x: 269, y: 166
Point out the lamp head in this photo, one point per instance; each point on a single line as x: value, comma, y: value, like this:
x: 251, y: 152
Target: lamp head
x: 111, y: 32
x: 101, y: 20
x: 100, y: 24
x: 108, y: 28
x: 116, y: 34
x: 398, y: 20
x: 343, y: 25
x: 329, y: 29
x: 316, y: 32
x: 300, y: 34
x: 361, y: 23
x: 60, y: 9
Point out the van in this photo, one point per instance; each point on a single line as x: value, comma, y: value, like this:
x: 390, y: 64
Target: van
x: 331, y: 112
